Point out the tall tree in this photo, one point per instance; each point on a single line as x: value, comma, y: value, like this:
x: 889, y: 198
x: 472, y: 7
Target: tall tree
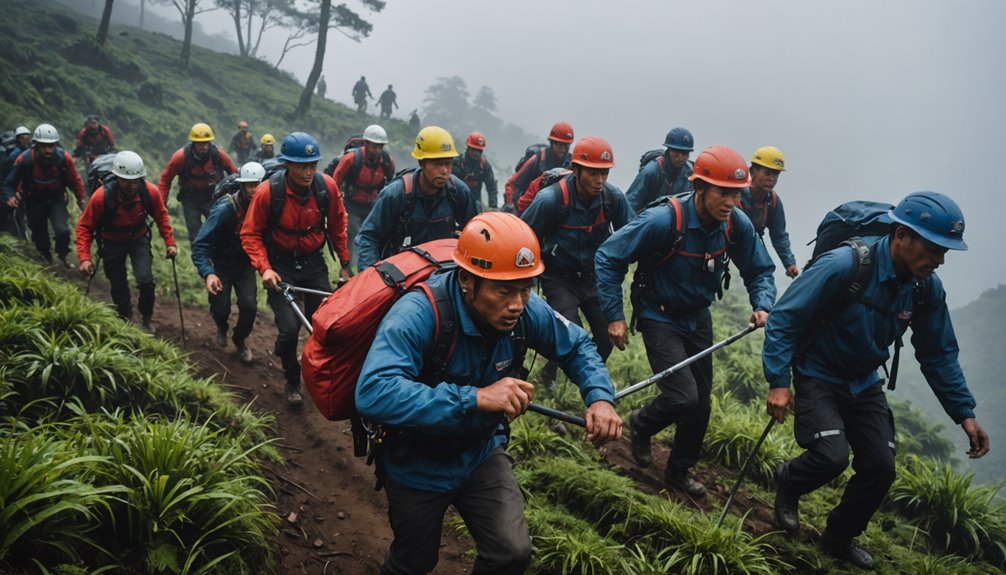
x: 106, y: 18
x: 268, y: 13
x: 485, y: 99
x: 188, y: 9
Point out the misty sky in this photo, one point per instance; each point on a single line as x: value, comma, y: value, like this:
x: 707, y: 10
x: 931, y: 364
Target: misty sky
x: 868, y: 100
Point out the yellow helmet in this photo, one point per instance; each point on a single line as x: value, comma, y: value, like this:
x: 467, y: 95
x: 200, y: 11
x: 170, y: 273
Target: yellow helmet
x: 268, y: 139
x: 201, y: 133
x: 769, y: 157
x: 432, y: 143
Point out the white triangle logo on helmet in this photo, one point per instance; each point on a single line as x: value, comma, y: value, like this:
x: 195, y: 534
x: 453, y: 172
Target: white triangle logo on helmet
x: 605, y: 156
x: 740, y: 174
x: 525, y: 258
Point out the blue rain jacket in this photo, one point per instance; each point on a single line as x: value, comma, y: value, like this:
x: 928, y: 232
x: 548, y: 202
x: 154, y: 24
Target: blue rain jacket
x: 653, y: 182
x: 218, y: 241
x: 768, y: 213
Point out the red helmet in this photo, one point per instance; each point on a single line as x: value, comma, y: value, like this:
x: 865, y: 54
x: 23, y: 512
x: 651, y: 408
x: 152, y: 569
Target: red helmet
x: 721, y: 166
x: 476, y: 141
x: 561, y: 132
x: 593, y: 152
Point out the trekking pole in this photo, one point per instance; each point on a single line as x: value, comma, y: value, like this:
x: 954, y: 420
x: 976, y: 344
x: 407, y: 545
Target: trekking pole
x: 744, y: 470
x: 178, y: 296
x: 306, y: 290
x: 94, y: 272
x: 285, y: 289
x: 556, y: 414
x: 686, y: 362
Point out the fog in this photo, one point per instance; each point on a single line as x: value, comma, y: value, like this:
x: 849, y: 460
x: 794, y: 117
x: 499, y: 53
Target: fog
x: 868, y: 100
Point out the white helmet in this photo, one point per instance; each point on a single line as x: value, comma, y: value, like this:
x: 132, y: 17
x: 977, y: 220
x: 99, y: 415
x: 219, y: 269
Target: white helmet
x: 251, y: 172
x: 21, y: 130
x: 128, y: 166
x: 45, y: 134
x: 376, y: 134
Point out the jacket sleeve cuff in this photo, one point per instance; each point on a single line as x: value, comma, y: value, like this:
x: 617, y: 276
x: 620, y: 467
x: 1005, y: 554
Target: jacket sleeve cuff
x: 469, y: 398
x: 963, y: 414
x: 781, y: 381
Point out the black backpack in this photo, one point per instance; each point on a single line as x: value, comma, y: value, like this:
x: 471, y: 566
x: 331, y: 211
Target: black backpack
x: 531, y: 150
x: 98, y: 172
x: 112, y: 204
x: 409, y: 203
x: 191, y: 162
x: 354, y: 141
x: 651, y: 155
x: 8, y: 141
x: 27, y: 157
x: 850, y: 220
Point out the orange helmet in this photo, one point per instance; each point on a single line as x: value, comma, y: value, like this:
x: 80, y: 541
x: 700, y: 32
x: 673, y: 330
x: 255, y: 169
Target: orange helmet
x: 499, y: 246
x: 561, y: 132
x: 476, y: 141
x: 721, y: 166
x: 593, y: 152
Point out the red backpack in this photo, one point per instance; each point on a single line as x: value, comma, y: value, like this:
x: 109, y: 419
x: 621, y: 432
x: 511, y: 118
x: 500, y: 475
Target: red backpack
x: 346, y: 322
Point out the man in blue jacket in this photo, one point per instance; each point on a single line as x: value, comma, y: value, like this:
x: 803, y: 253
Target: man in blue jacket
x: 764, y: 207
x: 666, y: 175
x: 423, y: 205
x: 223, y: 263
x: 683, y: 248
x: 448, y: 427
x: 572, y: 218
x: 840, y: 403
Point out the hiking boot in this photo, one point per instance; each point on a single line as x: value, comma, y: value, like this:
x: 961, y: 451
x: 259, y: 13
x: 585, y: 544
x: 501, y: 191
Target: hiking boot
x: 640, y: 443
x: 148, y: 325
x: 221, y: 338
x: 64, y: 259
x: 683, y: 481
x: 244, y: 353
x: 846, y: 549
x: 293, y: 396
x: 787, y: 503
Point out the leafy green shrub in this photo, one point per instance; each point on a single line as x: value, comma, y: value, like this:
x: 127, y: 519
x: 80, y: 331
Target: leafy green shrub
x: 565, y: 544
x: 915, y: 433
x: 734, y: 430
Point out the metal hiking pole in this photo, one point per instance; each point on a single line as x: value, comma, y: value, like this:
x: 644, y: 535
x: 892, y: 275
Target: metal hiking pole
x: 178, y: 296
x: 744, y: 470
x: 285, y: 289
x: 94, y: 272
x: 286, y: 286
x: 556, y: 414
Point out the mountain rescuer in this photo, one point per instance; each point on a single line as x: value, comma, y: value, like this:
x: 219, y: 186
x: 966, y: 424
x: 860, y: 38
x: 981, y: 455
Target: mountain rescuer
x: 361, y: 91
x: 474, y: 170
x: 840, y: 403
x: 223, y: 264
x: 388, y: 98
x: 242, y: 143
x: 571, y: 219
x: 665, y: 175
x: 12, y: 219
x: 361, y: 174
x: 93, y: 140
x: 764, y: 207
x: 423, y: 205
x: 39, y: 179
x: 445, y: 431
x: 286, y: 245
x: 117, y: 216
x: 267, y: 149
x: 683, y: 248
x: 556, y: 155
x: 199, y: 165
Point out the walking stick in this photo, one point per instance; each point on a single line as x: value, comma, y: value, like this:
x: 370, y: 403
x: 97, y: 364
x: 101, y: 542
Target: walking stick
x: 744, y: 470
x: 178, y: 296
x: 286, y: 286
x: 285, y: 289
x: 94, y: 272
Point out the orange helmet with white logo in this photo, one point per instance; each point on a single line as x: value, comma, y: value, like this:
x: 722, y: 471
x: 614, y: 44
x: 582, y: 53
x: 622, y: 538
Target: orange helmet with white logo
x: 722, y: 167
x: 499, y: 246
x: 593, y: 152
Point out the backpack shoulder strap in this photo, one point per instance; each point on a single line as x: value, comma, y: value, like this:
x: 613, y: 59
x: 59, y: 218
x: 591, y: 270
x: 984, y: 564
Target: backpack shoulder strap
x: 562, y: 214
x: 389, y: 172
x: 678, y: 233
x: 445, y: 327
x: 277, y: 197
x: 144, y: 194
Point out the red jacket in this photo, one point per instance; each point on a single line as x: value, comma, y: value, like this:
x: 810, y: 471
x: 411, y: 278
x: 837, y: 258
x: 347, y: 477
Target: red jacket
x: 102, y: 137
x: 44, y: 183
x: 201, y: 178
x: 128, y: 224
x: 298, y: 214
x: 369, y: 181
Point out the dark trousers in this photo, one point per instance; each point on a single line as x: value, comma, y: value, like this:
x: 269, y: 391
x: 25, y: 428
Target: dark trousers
x: 42, y: 213
x: 195, y: 209
x: 242, y: 281
x: 113, y: 258
x: 684, y: 395
x: 311, y: 273
x: 357, y: 213
x: 569, y: 296
x: 829, y: 422
x: 491, y: 505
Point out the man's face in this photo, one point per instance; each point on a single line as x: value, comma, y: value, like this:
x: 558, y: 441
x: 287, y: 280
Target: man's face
x: 373, y: 150
x: 474, y: 153
x: 242, y: 129
x: 46, y: 150
x: 763, y: 180
x: 248, y: 190
x: 497, y: 304
x: 559, y: 149
x: 591, y: 180
x: 719, y: 202
x: 301, y: 175
x: 915, y: 254
x: 437, y: 171
x: 128, y: 187
x: 24, y: 140
x: 677, y: 157
x: 200, y: 148
x: 92, y: 124
x: 268, y: 148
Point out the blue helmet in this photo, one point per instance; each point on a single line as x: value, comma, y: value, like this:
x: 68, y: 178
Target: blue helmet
x: 300, y: 148
x: 679, y: 139
x: 933, y: 216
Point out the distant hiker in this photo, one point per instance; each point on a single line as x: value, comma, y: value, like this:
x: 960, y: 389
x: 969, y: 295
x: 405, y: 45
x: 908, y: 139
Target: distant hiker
x: 199, y: 165
x: 222, y: 263
x: 764, y: 206
x: 445, y: 430
x: 421, y: 205
x: 474, y: 170
x: 361, y: 91
x: 572, y: 218
x: 683, y: 247
x: 537, y: 159
x: 39, y: 179
x: 116, y: 217
x: 414, y: 120
x: 284, y: 239
x: 94, y: 139
x: 361, y: 175
x: 242, y: 143
x: 666, y: 174
x: 267, y: 149
x: 322, y: 87
x: 12, y: 219
x: 388, y: 98
x: 835, y: 346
